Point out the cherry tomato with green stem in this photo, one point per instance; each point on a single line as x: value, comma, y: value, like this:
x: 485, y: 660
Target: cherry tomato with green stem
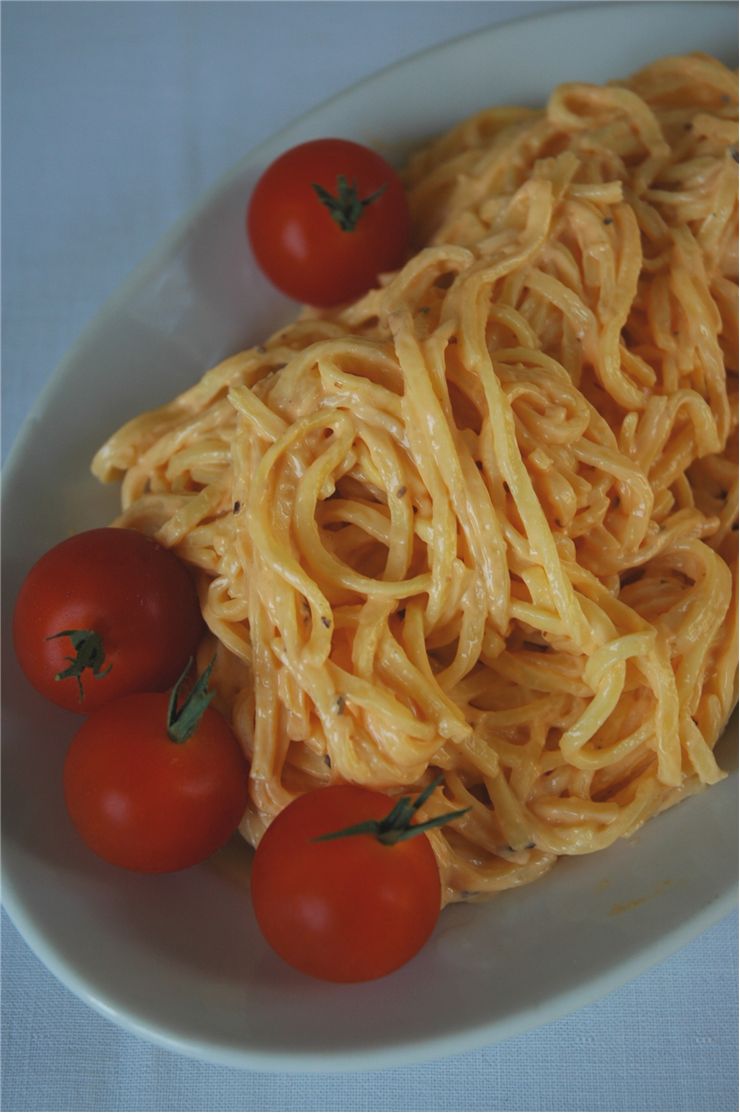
x: 102, y: 614
x: 344, y: 886
x: 326, y: 219
x: 156, y: 787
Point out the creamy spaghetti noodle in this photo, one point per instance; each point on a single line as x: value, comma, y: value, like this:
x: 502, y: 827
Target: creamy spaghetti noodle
x: 481, y: 523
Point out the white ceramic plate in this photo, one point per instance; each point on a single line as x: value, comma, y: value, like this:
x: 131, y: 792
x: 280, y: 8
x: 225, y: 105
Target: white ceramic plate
x: 178, y: 959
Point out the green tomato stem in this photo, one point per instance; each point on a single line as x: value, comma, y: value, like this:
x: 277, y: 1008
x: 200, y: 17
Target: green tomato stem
x: 347, y: 207
x: 397, y: 825
x: 89, y: 654
x: 182, y: 723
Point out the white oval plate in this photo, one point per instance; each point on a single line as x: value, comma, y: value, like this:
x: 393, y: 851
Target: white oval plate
x: 178, y: 959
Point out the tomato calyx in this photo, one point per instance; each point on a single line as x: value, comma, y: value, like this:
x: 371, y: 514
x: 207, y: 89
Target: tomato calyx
x: 183, y: 722
x: 347, y: 207
x: 89, y: 654
x: 397, y: 826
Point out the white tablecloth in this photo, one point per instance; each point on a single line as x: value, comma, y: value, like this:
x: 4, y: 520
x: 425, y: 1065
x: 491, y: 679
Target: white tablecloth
x: 116, y: 118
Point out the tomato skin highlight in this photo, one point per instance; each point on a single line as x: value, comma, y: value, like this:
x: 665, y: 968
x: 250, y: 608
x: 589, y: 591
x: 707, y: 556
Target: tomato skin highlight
x: 296, y: 241
x: 146, y: 803
x: 135, y: 594
x: 350, y: 909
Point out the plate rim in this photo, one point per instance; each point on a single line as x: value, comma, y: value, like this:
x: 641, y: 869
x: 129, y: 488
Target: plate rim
x: 412, y: 1052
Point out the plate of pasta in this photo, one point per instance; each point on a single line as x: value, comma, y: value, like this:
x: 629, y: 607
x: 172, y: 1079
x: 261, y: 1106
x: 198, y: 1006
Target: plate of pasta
x: 468, y: 538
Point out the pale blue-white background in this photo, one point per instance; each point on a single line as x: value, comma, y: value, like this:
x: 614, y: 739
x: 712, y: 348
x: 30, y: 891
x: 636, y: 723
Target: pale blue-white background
x: 116, y: 117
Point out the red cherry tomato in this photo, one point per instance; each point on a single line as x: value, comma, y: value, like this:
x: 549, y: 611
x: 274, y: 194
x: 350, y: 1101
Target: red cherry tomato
x: 145, y: 802
x: 326, y: 218
x: 103, y: 614
x: 349, y: 909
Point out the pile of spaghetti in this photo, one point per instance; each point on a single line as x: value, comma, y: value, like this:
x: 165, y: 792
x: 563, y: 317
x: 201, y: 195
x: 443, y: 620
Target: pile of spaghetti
x: 480, y: 523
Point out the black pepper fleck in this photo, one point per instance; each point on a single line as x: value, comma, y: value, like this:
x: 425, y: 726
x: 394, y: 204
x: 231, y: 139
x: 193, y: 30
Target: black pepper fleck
x: 237, y: 506
x: 326, y: 621
x: 608, y: 220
